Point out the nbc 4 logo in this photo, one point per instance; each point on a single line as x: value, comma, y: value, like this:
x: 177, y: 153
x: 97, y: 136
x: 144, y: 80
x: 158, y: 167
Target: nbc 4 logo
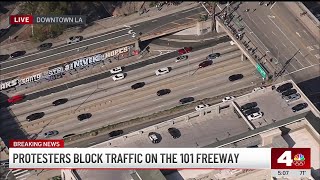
x: 285, y: 158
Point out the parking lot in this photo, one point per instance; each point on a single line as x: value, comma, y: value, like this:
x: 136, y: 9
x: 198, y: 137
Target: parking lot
x: 216, y: 123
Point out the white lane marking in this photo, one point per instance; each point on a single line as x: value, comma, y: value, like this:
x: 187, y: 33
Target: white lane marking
x: 284, y: 44
x: 136, y: 25
x: 273, y: 33
x: 120, y: 110
x: 303, y: 68
x: 64, y: 52
x: 18, y: 177
x: 273, y: 5
x: 317, y: 56
x: 154, y: 20
x: 193, y: 88
x: 305, y: 32
x: 16, y: 174
x: 65, y: 45
x: 261, y: 20
x: 219, y: 7
x: 269, y: 16
x: 256, y: 37
x: 157, y: 99
x: 298, y: 34
x: 92, y: 143
x: 190, y: 9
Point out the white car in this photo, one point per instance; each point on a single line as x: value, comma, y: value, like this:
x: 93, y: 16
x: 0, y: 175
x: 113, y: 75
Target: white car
x: 255, y: 116
x: 258, y: 89
x: 162, y: 71
x: 232, y: 43
x: 116, y: 70
x: 201, y: 107
x: 118, y: 77
x: 228, y: 98
x: 74, y: 39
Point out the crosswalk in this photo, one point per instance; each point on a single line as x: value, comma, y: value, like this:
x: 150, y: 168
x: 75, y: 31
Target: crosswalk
x: 21, y: 174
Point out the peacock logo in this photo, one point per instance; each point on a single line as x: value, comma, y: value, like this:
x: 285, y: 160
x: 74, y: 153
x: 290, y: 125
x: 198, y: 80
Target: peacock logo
x: 299, y: 160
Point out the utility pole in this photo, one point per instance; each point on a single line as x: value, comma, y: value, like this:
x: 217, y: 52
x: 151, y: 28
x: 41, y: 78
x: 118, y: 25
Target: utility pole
x: 214, y: 16
x: 285, y: 66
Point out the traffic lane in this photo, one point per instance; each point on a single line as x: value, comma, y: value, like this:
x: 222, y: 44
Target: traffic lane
x: 97, y: 77
x: 305, y: 73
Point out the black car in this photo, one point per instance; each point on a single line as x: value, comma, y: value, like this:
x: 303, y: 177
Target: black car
x: 205, y: 64
x: 115, y: 133
x: 163, y: 92
x: 235, y: 77
x: 248, y: 106
x: 299, y: 107
x: 3, y: 32
x: 17, y: 54
x: 251, y: 111
x: 44, y: 46
x: 68, y: 135
x: 84, y: 116
x: 4, y: 57
x: 35, y: 116
x: 284, y: 87
x: 138, y: 85
x: 59, y: 101
x: 174, y: 132
x: 289, y: 92
x: 186, y: 100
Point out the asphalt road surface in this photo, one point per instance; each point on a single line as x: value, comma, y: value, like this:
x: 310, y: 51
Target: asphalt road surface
x: 122, y: 34
x: 115, y: 101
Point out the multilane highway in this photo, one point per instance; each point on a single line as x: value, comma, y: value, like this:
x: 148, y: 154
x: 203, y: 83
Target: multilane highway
x: 120, y: 102
x: 121, y: 34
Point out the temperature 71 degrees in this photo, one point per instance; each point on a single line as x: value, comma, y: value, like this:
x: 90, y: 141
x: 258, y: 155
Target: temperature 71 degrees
x: 302, y: 172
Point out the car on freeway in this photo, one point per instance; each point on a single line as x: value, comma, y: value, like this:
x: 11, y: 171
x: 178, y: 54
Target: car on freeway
x: 68, y: 135
x: 289, y: 92
x: 255, y: 116
x: 116, y: 70
x: 213, y: 56
x: 235, y: 77
x: 162, y: 71
x: 201, y: 107
x: 154, y: 137
x: 163, y: 92
x: 299, y: 107
x: 138, y: 85
x: 17, y: 54
x: 4, y: 57
x: 44, y: 46
x: 258, y: 89
x: 205, y: 63
x: 118, y: 77
x: 84, y: 116
x: 186, y: 100
x: 228, y: 98
x: 284, y: 87
x: 16, y: 98
x: 185, y: 50
x: 232, y: 43
x: 182, y: 58
x: 251, y: 111
x: 292, y: 97
x: 174, y: 132
x: 3, y: 32
x: 35, y: 116
x: 249, y: 105
x: 116, y: 133
x: 51, y: 133
x: 59, y: 101
x: 74, y: 39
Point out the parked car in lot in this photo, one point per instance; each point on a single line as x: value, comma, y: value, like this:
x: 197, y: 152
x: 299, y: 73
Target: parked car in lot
x: 235, y: 77
x: 258, y: 89
x: 116, y: 133
x: 248, y: 106
x: 184, y: 50
x: 118, y: 77
x: 251, y: 111
x: 138, y: 85
x: 205, y: 63
x: 163, y: 92
x: 59, y: 101
x: 292, y: 97
x: 51, y: 133
x: 255, y: 116
x: 182, y: 58
x: 154, y: 137
x: 174, y: 132
x: 44, y: 46
x: 35, y: 116
x: 162, y: 71
x: 74, y: 39
x: 288, y: 92
x: 186, y: 100
x: 213, y: 56
x: 116, y: 70
x: 284, y: 87
x: 228, y: 98
x: 16, y: 98
x: 17, y: 54
x: 201, y: 107
x: 299, y: 107
x: 84, y: 116
x: 68, y: 135
x: 4, y: 57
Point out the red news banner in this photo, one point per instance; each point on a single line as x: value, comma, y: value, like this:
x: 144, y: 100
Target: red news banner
x: 36, y: 143
x: 21, y: 19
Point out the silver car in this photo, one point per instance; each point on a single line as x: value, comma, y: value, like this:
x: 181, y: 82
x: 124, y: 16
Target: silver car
x: 51, y: 133
x: 74, y: 39
x: 292, y: 97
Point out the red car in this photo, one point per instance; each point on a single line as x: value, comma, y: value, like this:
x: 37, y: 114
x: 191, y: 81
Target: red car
x: 184, y: 50
x: 16, y: 98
